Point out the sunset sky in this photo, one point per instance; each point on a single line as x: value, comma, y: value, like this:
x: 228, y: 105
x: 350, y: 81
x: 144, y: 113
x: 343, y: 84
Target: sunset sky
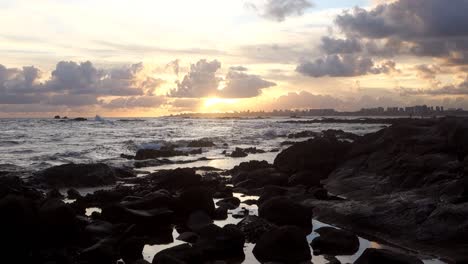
x: 152, y: 58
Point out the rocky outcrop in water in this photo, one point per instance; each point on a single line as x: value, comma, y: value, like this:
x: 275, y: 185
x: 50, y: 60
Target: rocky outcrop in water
x: 81, y: 175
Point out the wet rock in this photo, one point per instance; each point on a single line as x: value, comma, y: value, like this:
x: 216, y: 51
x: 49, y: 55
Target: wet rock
x: 320, y: 155
x: 73, y: 194
x: 184, y: 253
x: 12, y: 185
x: 335, y: 242
x: 221, y: 213
x: 250, y: 166
x: 283, y: 211
x: 176, y: 179
x: 254, y: 227
x: 189, y: 237
x: 103, y: 252
x: 286, y: 244
x: 229, y: 203
x: 307, y: 178
x: 131, y: 249
x: 79, y: 175
x: 383, y: 256
x: 121, y: 214
x: 58, y: 221
x: 19, y: 227
x: 201, y: 143
x: 198, y: 220
x: 54, y: 193
x: 57, y: 117
x: 239, y: 153
x: 194, y: 199
x: 216, y: 243
x: 128, y: 157
x: 153, y: 200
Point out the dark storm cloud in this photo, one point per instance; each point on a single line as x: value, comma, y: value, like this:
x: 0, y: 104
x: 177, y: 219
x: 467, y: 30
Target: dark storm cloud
x: 278, y: 10
x: 345, y: 65
x: 339, y: 46
x: 203, y: 81
x: 421, y: 28
x: 428, y: 71
x: 243, y: 85
x: 408, y: 19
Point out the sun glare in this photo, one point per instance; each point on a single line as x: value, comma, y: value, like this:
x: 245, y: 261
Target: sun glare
x: 209, y: 102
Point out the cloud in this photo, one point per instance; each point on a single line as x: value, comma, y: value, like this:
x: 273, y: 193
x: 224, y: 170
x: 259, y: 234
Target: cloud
x: 278, y: 10
x: 242, y: 85
x: 345, y: 65
x: 339, y: 46
x: 75, y: 84
x: 203, y: 80
x: 136, y: 102
x: 239, y: 68
x: 84, y: 78
x: 19, y: 86
x: 447, y: 90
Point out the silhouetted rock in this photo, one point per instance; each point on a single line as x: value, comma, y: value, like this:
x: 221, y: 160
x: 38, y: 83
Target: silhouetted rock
x: 59, y: 222
x: 320, y: 155
x: 176, y: 179
x: 286, y: 244
x: 184, y: 253
x: 79, y: 175
x: 144, y: 154
x: 283, y: 211
x: 335, y: 242
x: 73, y: 194
x: 307, y: 178
x: 131, y: 249
x: 229, y: 203
x: 254, y: 227
x: 201, y: 143
x: 194, y: 199
x: 239, y: 153
x: 216, y: 243
x: 384, y: 256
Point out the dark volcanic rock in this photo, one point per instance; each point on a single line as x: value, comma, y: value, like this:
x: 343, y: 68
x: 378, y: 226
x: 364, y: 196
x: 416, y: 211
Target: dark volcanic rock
x: 307, y: 178
x: 254, y: 227
x: 283, y: 211
x: 239, y: 153
x: 216, y: 243
x: 320, y: 155
x: 335, y: 242
x: 58, y: 221
x: 201, y: 143
x: 176, y: 179
x: 383, y: 256
x: 79, y: 175
x: 194, y: 199
x: 184, y: 253
x: 131, y: 249
x: 286, y: 244
x: 229, y: 203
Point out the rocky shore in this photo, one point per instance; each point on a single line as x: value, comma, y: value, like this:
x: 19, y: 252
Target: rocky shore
x: 406, y: 184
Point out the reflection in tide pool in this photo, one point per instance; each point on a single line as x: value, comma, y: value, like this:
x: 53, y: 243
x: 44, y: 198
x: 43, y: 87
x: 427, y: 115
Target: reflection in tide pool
x: 150, y: 250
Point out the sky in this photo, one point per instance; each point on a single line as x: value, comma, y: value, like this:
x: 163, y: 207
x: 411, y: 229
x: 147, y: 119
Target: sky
x: 151, y: 58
